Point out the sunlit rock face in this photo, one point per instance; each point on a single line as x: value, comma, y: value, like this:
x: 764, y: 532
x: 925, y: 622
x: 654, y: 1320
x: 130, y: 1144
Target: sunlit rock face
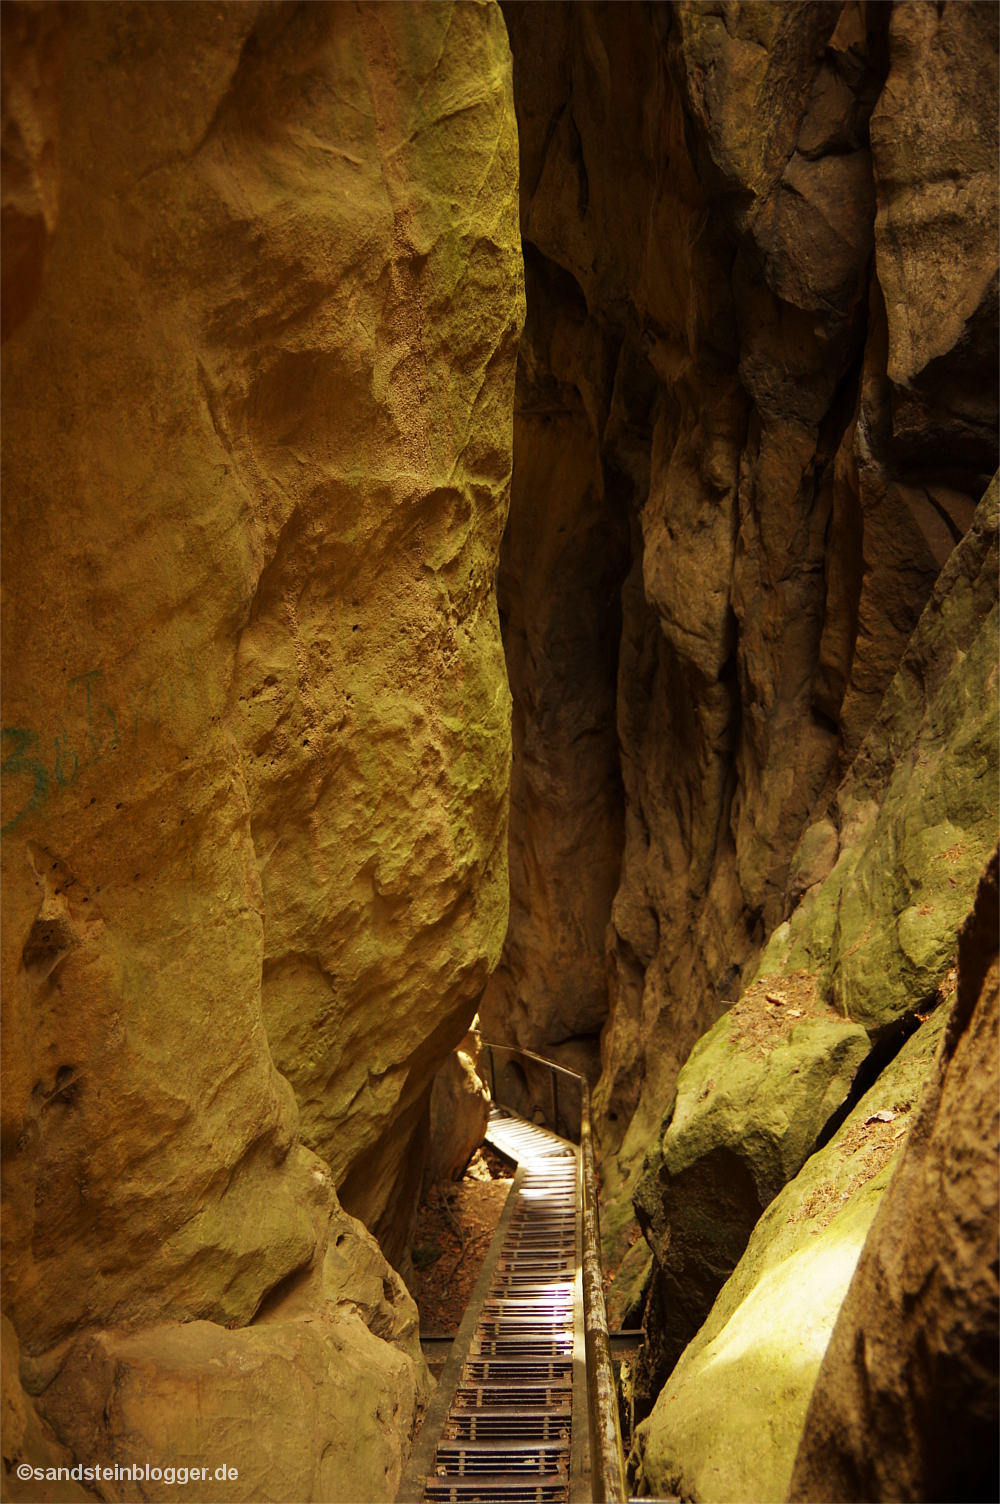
x: 256, y: 747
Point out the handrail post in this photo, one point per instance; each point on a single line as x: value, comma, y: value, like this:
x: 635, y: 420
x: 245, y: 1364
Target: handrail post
x: 555, y: 1102
x: 607, y: 1459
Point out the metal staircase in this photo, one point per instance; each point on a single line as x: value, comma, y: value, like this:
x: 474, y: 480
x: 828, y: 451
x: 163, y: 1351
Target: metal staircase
x: 526, y: 1408
x: 507, y: 1434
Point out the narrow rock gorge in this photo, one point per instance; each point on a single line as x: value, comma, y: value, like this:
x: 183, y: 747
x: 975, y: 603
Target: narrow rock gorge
x: 748, y: 592
x: 499, y: 512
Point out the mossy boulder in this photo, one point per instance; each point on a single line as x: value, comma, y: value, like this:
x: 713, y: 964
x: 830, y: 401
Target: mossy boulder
x: 728, y: 1423
x: 906, y: 1402
x: 751, y: 1101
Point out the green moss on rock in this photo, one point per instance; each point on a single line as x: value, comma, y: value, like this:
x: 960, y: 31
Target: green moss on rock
x: 918, y: 811
x: 751, y: 1101
x: 727, y: 1424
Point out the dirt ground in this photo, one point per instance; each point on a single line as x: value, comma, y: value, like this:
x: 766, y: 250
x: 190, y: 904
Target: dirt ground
x: 454, y: 1229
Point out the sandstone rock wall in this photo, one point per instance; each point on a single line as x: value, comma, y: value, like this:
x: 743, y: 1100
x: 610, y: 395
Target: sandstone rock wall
x: 728, y: 1421
x: 566, y: 549
x: 256, y: 459
x: 459, y: 1112
x: 764, y: 244
x: 752, y: 1099
x: 905, y: 1405
x: 917, y: 813
x: 867, y: 952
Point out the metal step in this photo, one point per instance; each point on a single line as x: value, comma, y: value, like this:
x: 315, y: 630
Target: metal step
x: 503, y: 1488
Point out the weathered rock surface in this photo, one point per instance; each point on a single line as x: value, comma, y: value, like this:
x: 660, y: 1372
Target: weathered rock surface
x: 728, y: 1422
x: 759, y: 1086
x: 905, y: 1406
x: 934, y: 148
x: 30, y: 61
x: 751, y: 1101
x: 256, y: 459
x: 708, y: 356
x: 27, y: 1440
x: 459, y: 1113
x: 625, y: 1298
x: 878, y: 935
x: 316, y: 1400
x: 789, y: 512
x: 565, y: 552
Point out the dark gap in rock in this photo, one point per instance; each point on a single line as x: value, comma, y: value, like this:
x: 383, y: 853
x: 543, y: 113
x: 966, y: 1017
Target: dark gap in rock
x: 885, y: 1047
x: 562, y: 290
x: 826, y: 721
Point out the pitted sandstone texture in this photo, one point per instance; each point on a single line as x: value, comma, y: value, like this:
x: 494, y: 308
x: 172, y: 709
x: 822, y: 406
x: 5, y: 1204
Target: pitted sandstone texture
x: 256, y: 746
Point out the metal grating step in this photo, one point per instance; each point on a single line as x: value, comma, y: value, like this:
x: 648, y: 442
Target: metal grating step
x: 499, y: 1488
x: 534, y: 1347
x: 536, y: 1458
x: 509, y: 1425
x: 554, y: 1397
x: 489, y: 1370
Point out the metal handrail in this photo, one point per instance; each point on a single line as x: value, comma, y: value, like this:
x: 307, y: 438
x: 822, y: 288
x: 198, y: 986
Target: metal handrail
x: 607, y: 1456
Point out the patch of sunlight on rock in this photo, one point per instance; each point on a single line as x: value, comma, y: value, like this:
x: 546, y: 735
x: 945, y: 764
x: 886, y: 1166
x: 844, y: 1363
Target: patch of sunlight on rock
x: 728, y: 1421
x: 786, y: 1322
x: 727, y: 1424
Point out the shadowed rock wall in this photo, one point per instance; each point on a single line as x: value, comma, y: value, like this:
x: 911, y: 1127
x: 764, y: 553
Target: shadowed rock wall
x: 256, y: 460
x: 566, y: 549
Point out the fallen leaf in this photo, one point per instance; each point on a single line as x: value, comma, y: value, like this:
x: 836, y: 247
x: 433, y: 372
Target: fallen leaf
x: 795, y: 1013
x: 881, y: 1117
x: 776, y: 998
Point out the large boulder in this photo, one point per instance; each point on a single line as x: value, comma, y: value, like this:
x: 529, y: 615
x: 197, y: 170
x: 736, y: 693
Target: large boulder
x: 339, y: 1352
x: 728, y: 1422
x: 905, y: 1405
x: 751, y: 1102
